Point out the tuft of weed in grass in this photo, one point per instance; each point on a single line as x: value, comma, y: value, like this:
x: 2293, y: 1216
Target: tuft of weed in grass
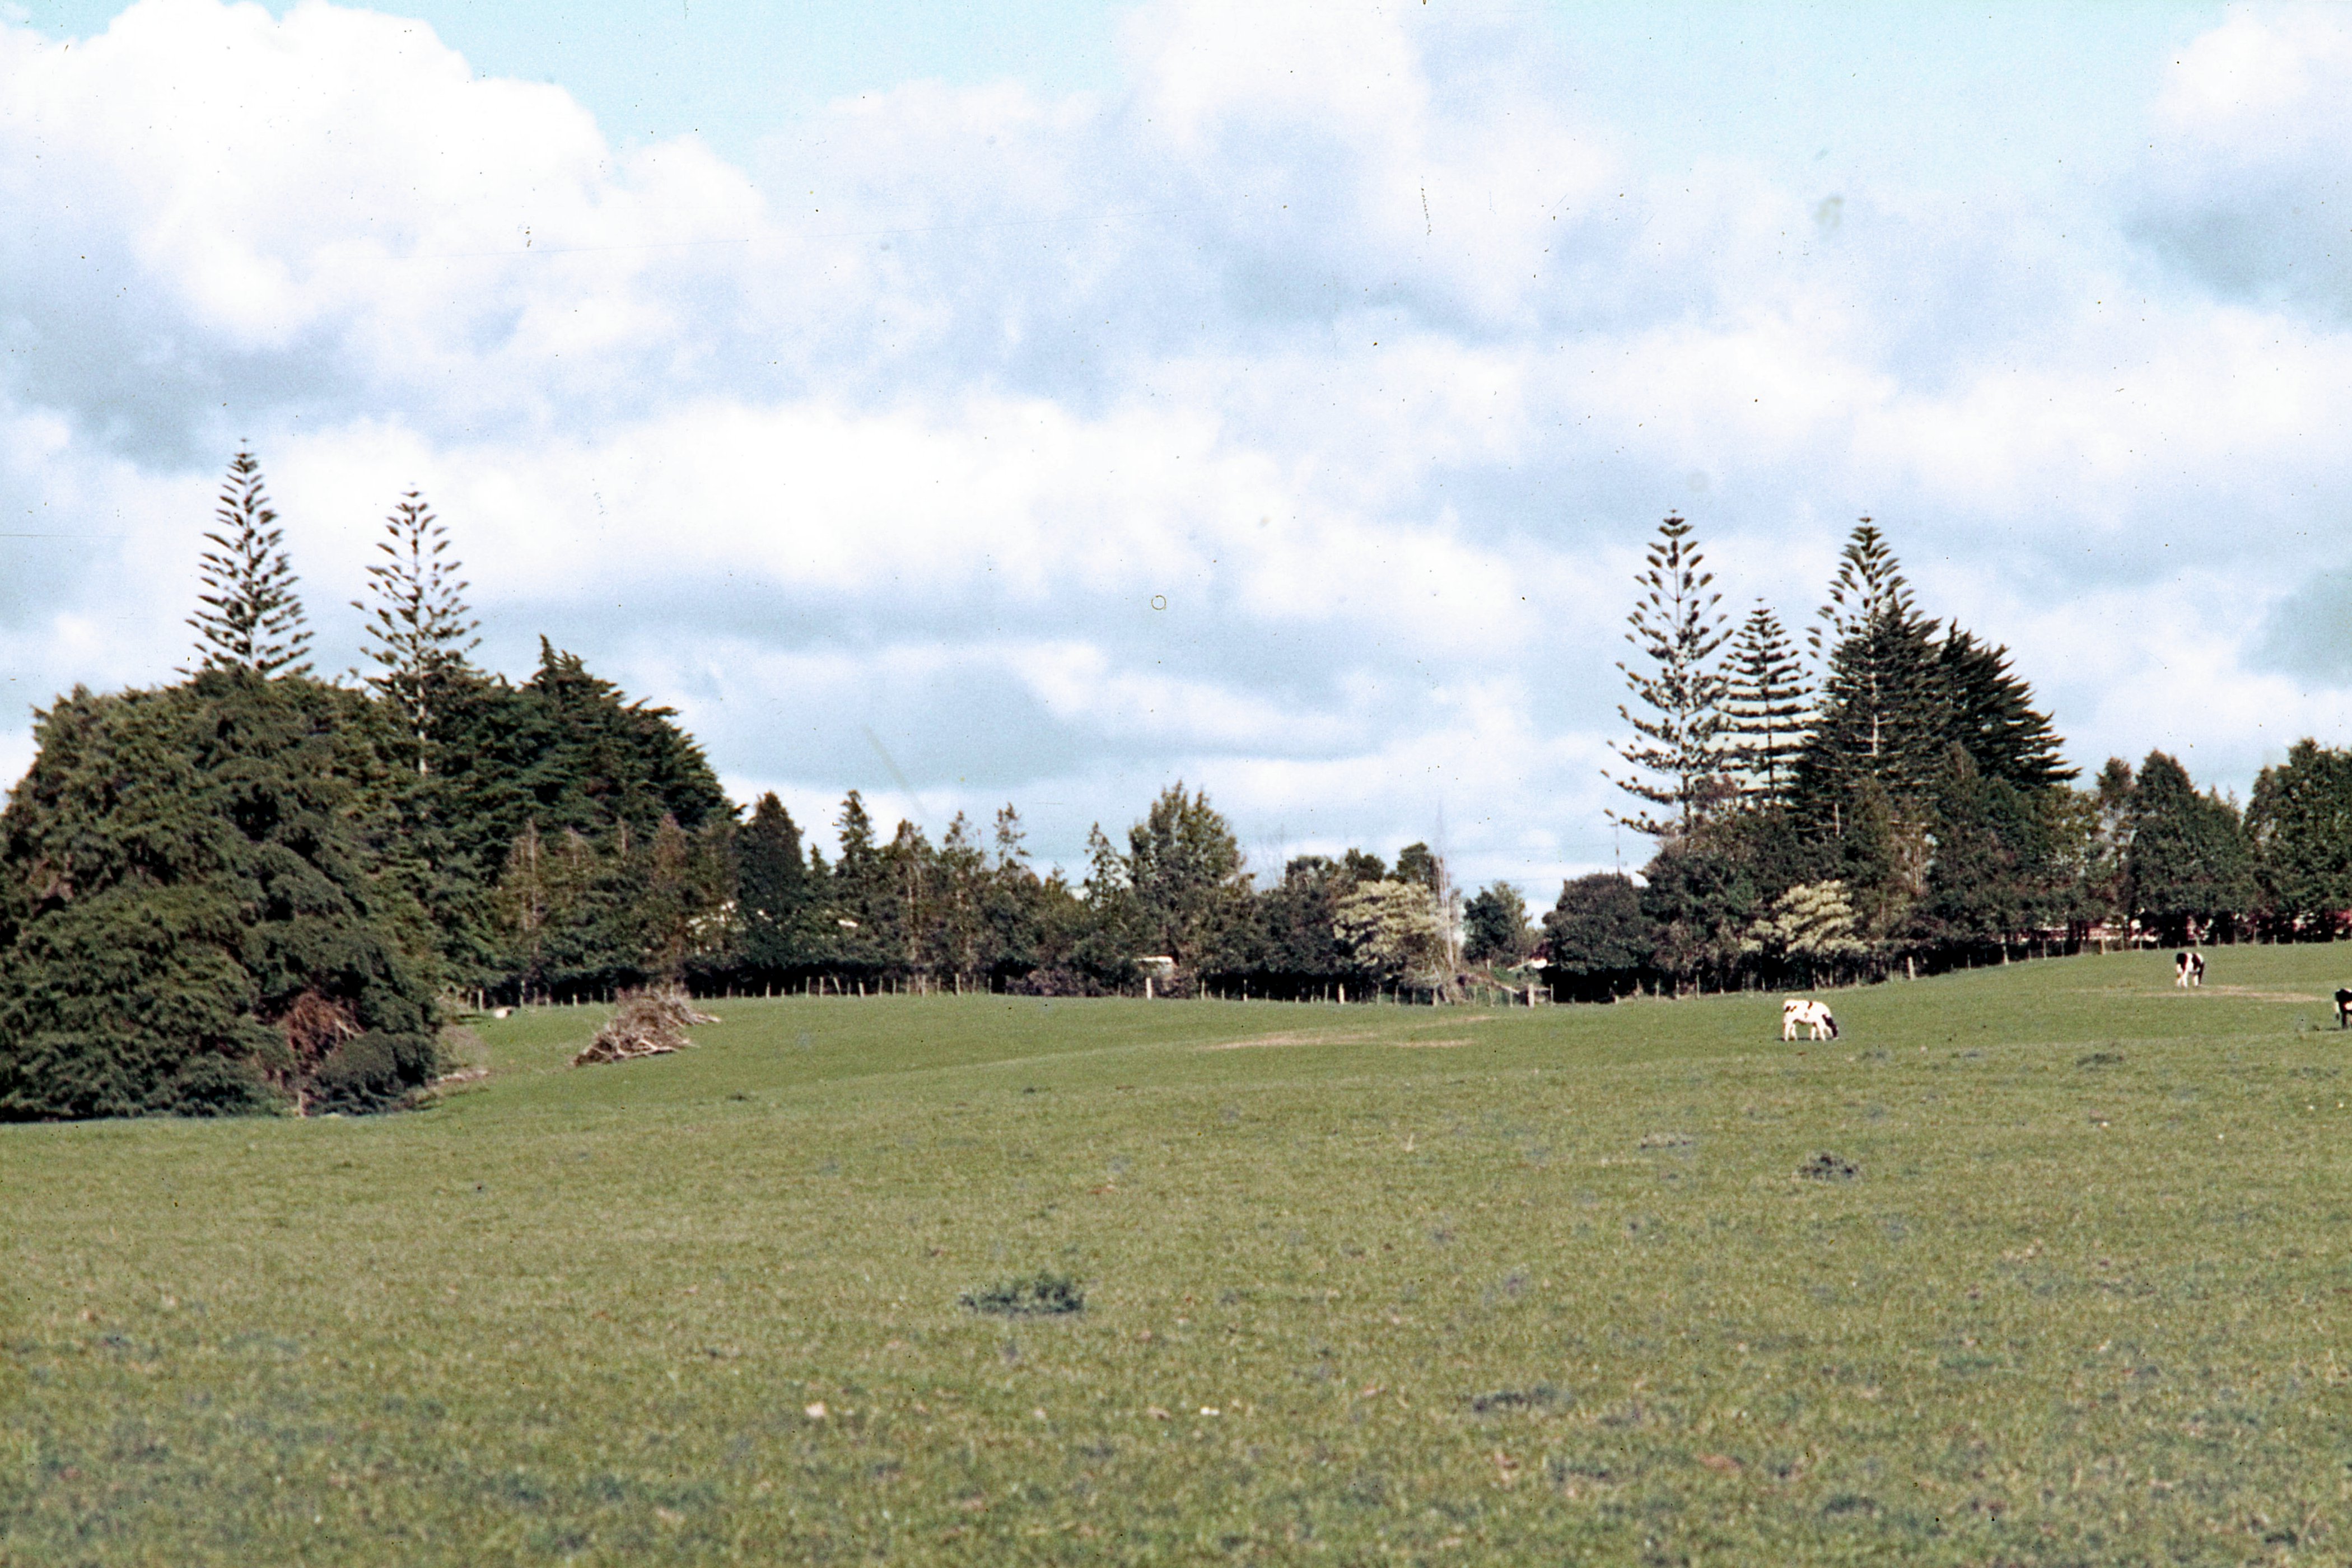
x: 1541, y: 1397
x: 2100, y: 1059
x: 1828, y: 1167
x: 1040, y: 1295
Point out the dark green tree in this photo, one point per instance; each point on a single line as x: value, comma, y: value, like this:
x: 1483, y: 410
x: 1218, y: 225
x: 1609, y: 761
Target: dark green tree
x: 1294, y: 918
x: 191, y: 917
x: 1882, y: 855
x: 565, y: 749
x: 1496, y: 928
x: 959, y: 924
x: 863, y: 908
x: 566, y: 753
x: 1676, y: 757
x: 773, y: 894
x: 1418, y: 863
x: 1599, y: 936
x: 1016, y: 906
x: 250, y: 614
x: 2300, y: 825
x: 1989, y: 713
x: 1974, y: 896
x: 1191, y: 896
x: 1099, y: 948
x: 1881, y: 719
x: 910, y: 871
x: 2191, y: 872
x: 682, y: 895
x: 1071, y: 956
x: 1765, y: 704
x: 1699, y: 895
x: 1296, y: 922
x: 1868, y: 589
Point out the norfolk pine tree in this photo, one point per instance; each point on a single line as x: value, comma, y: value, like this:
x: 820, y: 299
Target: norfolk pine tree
x: 419, y: 630
x: 1678, y: 743
x: 1882, y: 719
x: 1765, y: 703
x: 1990, y: 714
x: 249, y: 616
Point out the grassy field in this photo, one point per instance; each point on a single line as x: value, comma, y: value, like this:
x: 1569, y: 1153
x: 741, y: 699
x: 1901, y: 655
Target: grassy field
x: 2073, y: 1286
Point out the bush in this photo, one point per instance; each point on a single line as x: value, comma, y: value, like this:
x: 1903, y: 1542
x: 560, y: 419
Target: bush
x: 190, y: 916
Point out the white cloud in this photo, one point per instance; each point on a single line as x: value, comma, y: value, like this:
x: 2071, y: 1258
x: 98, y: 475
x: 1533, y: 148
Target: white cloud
x: 1291, y: 421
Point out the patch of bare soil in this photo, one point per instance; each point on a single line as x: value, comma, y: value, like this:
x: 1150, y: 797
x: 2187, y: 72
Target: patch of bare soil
x: 1430, y: 1045
x: 2181, y: 993
x: 2248, y: 993
x: 1292, y: 1037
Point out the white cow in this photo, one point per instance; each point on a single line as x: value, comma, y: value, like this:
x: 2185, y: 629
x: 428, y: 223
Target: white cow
x: 1801, y: 1012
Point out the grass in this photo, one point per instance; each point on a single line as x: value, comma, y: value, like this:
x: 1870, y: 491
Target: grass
x: 1373, y: 1284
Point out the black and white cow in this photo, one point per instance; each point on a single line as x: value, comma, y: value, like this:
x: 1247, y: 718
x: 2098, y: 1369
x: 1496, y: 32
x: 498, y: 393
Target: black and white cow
x: 2343, y: 1008
x: 2188, y: 969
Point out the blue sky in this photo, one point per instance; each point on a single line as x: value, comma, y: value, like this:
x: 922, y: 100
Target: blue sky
x: 1964, y: 94
x: 1049, y: 404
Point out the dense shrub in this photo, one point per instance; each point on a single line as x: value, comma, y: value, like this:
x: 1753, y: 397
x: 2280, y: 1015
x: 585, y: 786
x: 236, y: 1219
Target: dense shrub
x: 193, y: 917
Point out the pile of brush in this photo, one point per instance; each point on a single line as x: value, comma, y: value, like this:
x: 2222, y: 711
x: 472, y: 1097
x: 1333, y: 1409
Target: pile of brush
x: 649, y: 1023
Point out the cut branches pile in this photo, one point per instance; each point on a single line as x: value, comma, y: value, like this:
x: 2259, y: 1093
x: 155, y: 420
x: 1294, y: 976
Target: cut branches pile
x: 649, y: 1023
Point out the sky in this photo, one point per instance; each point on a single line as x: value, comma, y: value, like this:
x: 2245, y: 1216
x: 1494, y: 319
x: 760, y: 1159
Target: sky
x: 1049, y: 404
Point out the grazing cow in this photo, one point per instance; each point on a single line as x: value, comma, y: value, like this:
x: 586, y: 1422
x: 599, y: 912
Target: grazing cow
x: 2188, y: 969
x: 2343, y: 1008
x: 1812, y: 1016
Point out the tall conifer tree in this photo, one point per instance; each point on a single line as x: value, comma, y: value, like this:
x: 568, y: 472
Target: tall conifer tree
x: 2189, y: 861
x: 1882, y: 719
x: 773, y: 889
x: 1677, y: 751
x: 419, y: 628
x: 250, y: 615
x: 1988, y: 713
x: 1765, y: 699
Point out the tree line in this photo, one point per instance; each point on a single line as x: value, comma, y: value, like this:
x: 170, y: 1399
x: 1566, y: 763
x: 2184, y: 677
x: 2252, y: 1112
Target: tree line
x: 257, y: 887
x: 1892, y: 798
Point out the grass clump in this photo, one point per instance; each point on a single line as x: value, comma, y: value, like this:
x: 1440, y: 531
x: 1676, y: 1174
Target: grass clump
x: 1541, y: 1397
x: 1829, y: 1167
x: 1040, y: 1295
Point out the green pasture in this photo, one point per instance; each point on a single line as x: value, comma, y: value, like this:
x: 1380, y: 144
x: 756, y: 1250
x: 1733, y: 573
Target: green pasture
x: 1563, y: 1285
